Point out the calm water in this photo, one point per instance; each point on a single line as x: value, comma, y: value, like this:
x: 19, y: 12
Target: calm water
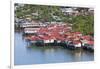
x: 37, y: 55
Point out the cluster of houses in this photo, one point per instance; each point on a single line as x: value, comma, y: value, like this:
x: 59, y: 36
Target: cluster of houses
x: 57, y: 34
x: 75, y: 11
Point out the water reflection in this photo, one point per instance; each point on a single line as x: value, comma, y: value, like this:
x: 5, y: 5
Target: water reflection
x: 40, y: 55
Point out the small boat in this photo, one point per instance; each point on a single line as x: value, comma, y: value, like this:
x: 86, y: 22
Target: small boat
x: 74, y: 44
x: 77, y: 44
x: 89, y: 46
x: 70, y: 45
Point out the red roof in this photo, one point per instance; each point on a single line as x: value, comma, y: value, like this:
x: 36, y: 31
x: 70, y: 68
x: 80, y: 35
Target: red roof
x: 76, y: 42
x: 91, y: 42
x: 53, y: 31
x: 78, y: 33
x: 44, y: 37
x: 86, y: 37
x: 35, y: 38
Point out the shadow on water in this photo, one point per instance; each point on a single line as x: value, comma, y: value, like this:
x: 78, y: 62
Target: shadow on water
x: 24, y: 55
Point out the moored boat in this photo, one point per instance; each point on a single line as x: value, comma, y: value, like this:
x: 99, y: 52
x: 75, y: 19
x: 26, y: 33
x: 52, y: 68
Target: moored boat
x: 89, y: 46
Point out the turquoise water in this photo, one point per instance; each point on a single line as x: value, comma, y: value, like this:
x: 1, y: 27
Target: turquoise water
x: 40, y: 55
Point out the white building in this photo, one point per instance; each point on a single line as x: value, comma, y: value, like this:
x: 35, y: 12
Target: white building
x: 69, y: 11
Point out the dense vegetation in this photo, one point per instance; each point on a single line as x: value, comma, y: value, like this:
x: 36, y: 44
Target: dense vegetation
x: 81, y: 23
x: 84, y: 24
